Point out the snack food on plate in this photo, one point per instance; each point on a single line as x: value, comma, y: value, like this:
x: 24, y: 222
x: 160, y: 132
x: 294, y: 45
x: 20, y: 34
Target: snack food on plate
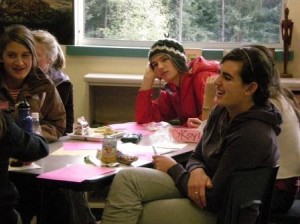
x: 105, y: 130
x: 125, y: 159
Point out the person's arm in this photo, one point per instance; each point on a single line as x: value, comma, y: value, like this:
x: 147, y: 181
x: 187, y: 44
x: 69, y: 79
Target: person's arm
x: 181, y: 175
x: 247, y: 150
x: 20, y: 144
x: 193, y: 184
x: 208, y: 103
x: 65, y: 90
x: 53, y: 120
x: 148, y: 79
x: 148, y: 109
x: 209, y: 97
x: 204, y: 90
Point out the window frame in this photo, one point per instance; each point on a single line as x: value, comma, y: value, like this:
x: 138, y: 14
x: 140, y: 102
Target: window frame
x: 96, y: 47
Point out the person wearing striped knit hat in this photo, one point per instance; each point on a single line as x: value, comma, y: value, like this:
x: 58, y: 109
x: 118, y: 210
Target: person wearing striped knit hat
x: 183, y: 93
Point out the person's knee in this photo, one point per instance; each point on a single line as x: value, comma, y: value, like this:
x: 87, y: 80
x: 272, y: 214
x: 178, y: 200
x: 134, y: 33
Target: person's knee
x: 129, y: 174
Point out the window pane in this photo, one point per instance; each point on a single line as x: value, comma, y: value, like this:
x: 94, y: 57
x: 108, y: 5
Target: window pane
x: 199, y: 21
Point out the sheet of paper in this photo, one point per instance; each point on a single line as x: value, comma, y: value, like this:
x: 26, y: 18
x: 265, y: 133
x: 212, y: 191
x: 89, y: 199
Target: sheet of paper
x: 76, y: 173
x: 132, y: 127
x: 30, y: 167
x: 76, y: 152
x: 77, y: 148
x: 81, y: 145
x: 143, y: 152
x: 170, y: 145
x: 146, y: 152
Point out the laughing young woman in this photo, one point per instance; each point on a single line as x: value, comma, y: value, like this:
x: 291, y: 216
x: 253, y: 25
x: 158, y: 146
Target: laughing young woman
x: 174, y: 194
x: 21, y: 78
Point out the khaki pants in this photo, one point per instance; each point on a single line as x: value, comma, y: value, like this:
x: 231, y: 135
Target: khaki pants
x: 148, y: 196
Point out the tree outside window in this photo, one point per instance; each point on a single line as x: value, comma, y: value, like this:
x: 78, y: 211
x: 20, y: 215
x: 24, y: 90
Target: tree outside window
x: 190, y: 21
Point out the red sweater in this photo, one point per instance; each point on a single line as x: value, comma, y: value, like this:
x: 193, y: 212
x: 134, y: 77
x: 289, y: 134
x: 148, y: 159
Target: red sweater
x: 174, y: 102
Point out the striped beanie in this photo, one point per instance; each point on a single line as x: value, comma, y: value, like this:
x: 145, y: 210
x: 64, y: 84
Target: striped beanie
x: 172, y: 48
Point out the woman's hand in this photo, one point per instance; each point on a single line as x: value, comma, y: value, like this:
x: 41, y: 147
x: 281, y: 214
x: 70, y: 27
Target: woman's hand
x: 163, y: 163
x: 193, y: 122
x: 197, y: 184
x: 150, y: 73
x: 149, y: 78
x: 209, y: 97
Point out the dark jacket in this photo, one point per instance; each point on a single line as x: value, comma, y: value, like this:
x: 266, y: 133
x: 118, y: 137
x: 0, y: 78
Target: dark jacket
x: 247, y: 141
x: 18, y: 144
x: 65, y: 90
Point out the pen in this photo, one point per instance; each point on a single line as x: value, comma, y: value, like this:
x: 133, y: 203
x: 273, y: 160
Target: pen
x: 154, y: 150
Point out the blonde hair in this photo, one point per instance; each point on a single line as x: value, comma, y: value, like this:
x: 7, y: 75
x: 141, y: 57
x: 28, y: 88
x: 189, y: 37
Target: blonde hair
x: 53, y: 49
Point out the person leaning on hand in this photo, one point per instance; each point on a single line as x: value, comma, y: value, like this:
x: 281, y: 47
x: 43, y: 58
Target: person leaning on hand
x: 231, y: 141
x: 183, y: 94
x: 18, y: 144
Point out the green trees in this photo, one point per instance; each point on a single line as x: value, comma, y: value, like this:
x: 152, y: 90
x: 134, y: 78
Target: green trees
x: 186, y: 20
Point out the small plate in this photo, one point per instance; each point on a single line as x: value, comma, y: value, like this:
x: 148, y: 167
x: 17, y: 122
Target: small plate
x: 94, y: 137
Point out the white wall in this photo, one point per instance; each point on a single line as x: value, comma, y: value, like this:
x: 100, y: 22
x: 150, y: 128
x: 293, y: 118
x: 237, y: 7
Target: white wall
x: 78, y: 66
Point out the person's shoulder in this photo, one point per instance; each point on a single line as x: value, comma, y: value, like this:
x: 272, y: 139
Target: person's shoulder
x: 38, y: 78
x: 58, y: 76
x: 200, y: 64
x: 65, y: 85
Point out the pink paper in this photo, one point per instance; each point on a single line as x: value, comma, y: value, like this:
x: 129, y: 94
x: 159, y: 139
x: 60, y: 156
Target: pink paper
x: 81, y: 145
x: 76, y: 173
x: 131, y: 127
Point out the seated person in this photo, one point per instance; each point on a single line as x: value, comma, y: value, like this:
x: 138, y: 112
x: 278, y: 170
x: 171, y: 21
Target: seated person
x: 230, y: 142
x: 285, y: 188
x: 18, y: 144
x: 51, y: 60
x: 183, y: 94
x: 22, y: 78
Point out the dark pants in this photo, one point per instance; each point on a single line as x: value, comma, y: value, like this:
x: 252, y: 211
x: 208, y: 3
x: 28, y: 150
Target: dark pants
x: 10, y: 216
x: 281, y: 201
x: 67, y: 207
x: 60, y: 206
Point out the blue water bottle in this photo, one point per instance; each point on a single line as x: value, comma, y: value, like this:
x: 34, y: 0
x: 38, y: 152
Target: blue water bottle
x: 24, y: 119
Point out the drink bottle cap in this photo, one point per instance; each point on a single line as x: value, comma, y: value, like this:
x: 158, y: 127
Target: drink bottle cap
x: 35, y: 115
x: 23, y: 104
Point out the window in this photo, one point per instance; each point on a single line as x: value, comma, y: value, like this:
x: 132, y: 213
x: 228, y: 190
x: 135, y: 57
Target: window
x: 197, y: 23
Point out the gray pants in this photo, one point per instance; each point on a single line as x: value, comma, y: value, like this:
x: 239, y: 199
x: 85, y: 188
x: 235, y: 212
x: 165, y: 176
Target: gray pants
x: 142, y: 195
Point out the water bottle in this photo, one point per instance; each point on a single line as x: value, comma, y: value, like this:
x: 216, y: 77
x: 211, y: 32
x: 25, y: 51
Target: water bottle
x: 36, y: 128
x: 24, y: 119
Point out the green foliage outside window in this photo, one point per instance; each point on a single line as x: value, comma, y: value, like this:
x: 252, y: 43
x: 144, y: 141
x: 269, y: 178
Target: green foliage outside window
x: 211, y: 21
